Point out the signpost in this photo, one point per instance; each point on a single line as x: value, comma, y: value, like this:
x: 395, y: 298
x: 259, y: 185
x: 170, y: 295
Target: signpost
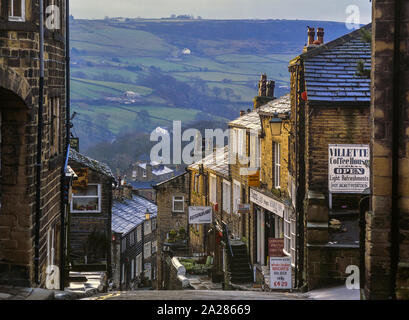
x: 348, y: 169
x: 200, y: 215
x: 280, y: 273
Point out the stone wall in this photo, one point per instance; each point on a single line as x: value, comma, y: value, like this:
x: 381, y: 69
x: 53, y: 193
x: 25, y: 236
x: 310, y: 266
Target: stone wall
x: 387, y: 259
x: 19, y: 84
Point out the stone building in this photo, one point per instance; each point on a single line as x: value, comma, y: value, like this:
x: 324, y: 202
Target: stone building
x: 90, y: 215
x: 30, y: 225
x: 386, y: 268
x: 172, y: 222
x: 134, y: 241
x: 152, y: 172
x: 330, y: 106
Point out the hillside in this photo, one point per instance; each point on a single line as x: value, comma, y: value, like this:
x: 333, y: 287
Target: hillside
x: 189, y: 70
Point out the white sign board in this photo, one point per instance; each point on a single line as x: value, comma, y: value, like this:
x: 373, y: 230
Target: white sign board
x: 348, y: 168
x: 200, y: 215
x: 268, y: 203
x: 280, y: 273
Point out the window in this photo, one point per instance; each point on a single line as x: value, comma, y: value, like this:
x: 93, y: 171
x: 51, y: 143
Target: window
x: 131, y: 238
x: 123, y: 273
x: 277, y: 165
x: 241, y: 147
x: 236, y: 195
x: 147, y: 250
x: 289, y: 235
x: 196, y: 183
x: 17, y: 10
x: 54, y: 125
x: 213, y: 189
x: 86, y: 200
x: 153, y: 224
x: 139, y: 233
x: 178, y: 204
x: 148, y: 271
x: 138, y: 264
x: 154, y: 247
x: 226, y: 196
x: 147, y: 227
x: 132, y: 269
x: 123, y: 247
x: 254, y: 151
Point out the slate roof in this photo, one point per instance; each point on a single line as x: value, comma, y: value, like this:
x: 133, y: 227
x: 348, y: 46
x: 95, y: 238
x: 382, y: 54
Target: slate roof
x: 330, y: 70
x: 219, y: 165
x: 90, y: 163
x: 251, y: 120
x: 130, y: 213
x: 141, y: 184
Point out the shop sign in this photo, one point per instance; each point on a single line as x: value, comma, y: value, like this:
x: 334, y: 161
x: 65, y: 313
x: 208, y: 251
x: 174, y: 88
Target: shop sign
x: 244, y: 208
x: 348, y: 168
x: 267, y: 203
x: 82, y: 181
x: 276, y: 247
x: 280, y: 273
x: 254, y: 179
x: 200, y: 215
x: 75, y: 144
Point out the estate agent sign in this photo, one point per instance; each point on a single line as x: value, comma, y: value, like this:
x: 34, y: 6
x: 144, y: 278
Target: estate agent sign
x: 348, y: 168
x: 200, y: 215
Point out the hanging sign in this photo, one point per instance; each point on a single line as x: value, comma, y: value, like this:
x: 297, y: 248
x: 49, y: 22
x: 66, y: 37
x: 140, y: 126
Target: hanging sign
x: 266, y: 202
x: 200, y: 215
x: 348, y: 168
x: 276, y: 247
x: 82, y: 181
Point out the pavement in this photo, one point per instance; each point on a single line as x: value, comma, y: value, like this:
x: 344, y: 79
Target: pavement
x: 334, y: 293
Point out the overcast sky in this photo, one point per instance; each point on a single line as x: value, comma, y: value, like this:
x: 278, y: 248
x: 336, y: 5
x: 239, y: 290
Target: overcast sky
x: 329, y: 10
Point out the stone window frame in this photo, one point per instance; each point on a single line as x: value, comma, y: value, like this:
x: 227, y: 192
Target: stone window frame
x: 139, y: 233
x: 180, y: 200
x: 147, y: 230
x: 236, y: 195
x: 147, y: 250
x: 99, y: 196
x: 132, y: 269
x: 131, y: 238
x: 154, y: 225
x: 21, y: 18
x: 154, y: 246
x: 213, y: 189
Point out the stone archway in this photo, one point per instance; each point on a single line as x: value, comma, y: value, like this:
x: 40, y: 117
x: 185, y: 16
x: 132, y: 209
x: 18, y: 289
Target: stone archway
x: 17, y: 154
x: 15, y: 83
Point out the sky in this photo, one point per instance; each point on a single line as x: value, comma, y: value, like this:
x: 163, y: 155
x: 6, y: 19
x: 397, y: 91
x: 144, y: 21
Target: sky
x: 328, y: 10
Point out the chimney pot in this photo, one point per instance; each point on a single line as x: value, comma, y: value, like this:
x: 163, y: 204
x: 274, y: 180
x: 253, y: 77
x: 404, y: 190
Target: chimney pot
x: 270, y: 88
x: 262, y: 86
x: 320, y: 35
x: 311, y: 35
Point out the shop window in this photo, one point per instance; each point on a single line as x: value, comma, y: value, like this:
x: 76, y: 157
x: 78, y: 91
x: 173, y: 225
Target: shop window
x: 277, y: 165
x: 178, y: 204
x: 226, y: 196
x: 17, y: 10
x: 147, y: 250
x: 86, y: 200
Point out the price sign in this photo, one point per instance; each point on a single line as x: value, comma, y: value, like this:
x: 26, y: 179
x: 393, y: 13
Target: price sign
x: 280, y: 273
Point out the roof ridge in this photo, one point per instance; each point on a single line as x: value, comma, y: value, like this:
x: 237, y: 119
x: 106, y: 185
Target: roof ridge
x: 334, y: 43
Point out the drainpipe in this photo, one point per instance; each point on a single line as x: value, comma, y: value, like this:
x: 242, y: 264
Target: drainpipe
x: 64, y: 207
x: 296, y: 176
x: 39, y: 147
x: 397, y: 111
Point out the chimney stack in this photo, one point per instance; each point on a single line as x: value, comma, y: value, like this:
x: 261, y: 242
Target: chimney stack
x: 311, y: 36
x: 270, y: 88
x: 320, y: 35
x: 262, y: 86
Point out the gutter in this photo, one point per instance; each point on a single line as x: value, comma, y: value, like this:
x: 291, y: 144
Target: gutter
x: 39, y: 147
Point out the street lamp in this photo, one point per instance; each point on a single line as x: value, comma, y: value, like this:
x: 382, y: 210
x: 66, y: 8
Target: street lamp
x: 275, y: 126
x: 147, y: 215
